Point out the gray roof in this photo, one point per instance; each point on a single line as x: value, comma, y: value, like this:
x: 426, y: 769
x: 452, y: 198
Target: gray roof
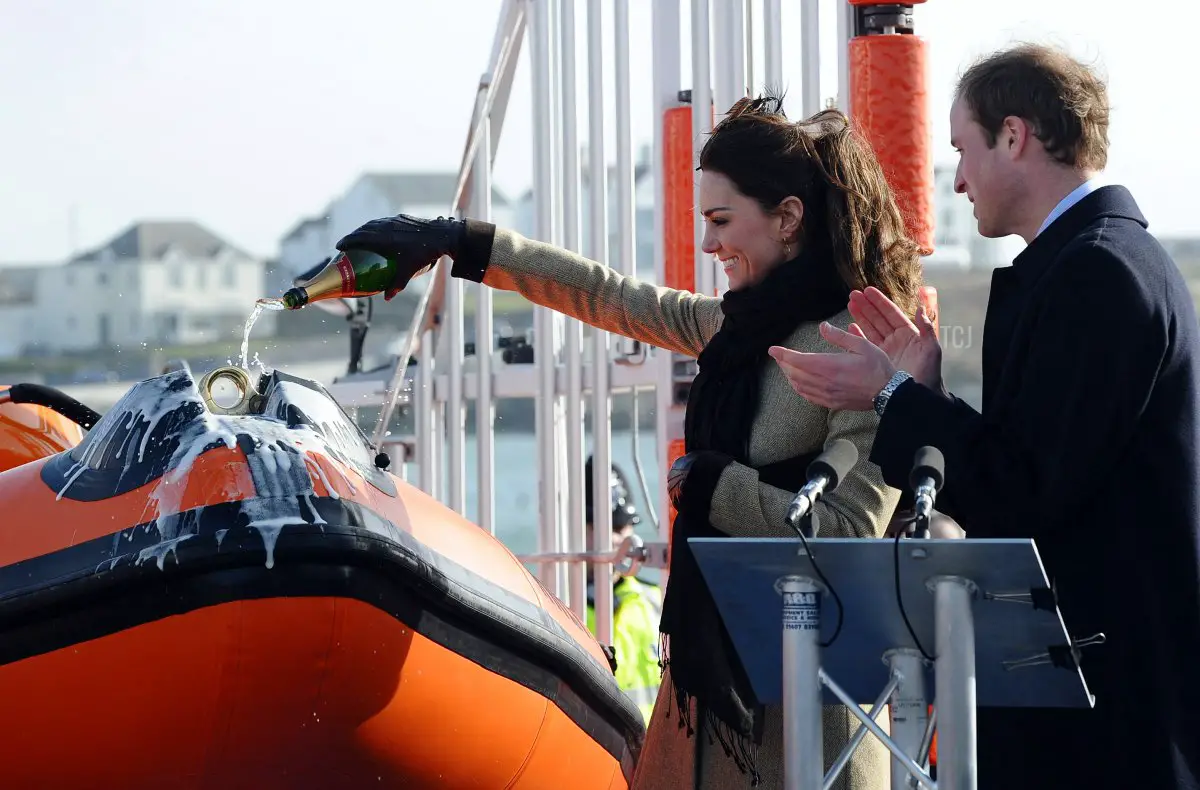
x: 305, y: 224
x: 403, y: 189
x: 150, y: 241
x: 410, y: 188
x: 641, y: 170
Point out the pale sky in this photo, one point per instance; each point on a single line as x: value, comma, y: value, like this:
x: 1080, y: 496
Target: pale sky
x: 247, y: 115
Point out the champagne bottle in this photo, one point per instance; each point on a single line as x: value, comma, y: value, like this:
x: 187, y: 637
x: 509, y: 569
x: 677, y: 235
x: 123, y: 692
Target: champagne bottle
x: 347, y: 275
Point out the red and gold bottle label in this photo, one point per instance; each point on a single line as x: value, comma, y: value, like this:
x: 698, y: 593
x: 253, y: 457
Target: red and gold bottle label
x: 346, y: 270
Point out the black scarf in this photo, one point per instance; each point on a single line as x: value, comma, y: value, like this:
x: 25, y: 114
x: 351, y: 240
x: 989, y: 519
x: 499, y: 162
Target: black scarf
x: 721, y: 409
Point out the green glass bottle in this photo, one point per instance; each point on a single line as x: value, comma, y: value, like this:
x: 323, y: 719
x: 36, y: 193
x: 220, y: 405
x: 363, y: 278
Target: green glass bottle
x: 349, y: 274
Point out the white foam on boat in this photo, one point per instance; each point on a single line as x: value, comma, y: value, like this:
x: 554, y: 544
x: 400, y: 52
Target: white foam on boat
x: 283, y: 463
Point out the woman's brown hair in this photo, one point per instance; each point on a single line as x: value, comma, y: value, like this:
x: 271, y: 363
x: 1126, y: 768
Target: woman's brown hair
x: 850, y: 212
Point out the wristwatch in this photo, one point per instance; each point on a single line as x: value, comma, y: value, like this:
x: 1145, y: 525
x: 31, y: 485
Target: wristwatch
x: 881, y: 400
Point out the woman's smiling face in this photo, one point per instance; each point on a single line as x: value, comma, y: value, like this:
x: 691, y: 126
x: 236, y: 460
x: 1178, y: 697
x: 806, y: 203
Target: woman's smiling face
x: 748, y: 240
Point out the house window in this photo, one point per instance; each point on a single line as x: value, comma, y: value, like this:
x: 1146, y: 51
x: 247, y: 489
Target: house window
x: 176, y: 276
x: 230, y: 277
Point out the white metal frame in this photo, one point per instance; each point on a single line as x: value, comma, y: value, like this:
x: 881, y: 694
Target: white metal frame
x: 723, y: 43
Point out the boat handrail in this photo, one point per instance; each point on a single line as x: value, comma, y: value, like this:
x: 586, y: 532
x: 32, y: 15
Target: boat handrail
x: 496, y: 80
x: 631, y: 555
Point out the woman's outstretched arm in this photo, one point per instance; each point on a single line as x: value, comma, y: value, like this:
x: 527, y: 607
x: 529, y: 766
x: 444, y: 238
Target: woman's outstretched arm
x: 592, y: 292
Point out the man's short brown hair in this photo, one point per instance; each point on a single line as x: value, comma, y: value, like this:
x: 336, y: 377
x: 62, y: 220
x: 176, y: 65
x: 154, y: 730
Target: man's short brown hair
x: 1063, y: 100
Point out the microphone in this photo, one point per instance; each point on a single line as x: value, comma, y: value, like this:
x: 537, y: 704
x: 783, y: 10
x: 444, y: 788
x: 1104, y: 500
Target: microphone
x: 928, y: 475
x: 824, y: 474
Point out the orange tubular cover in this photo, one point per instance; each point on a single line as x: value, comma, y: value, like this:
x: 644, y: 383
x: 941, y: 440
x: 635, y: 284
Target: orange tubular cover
x: 679, y: 239
x: 889, y: 102
x: 29, y: 432
x: 679, y: 225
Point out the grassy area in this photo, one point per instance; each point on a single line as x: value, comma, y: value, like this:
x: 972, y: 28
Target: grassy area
x: 503, y: 303
x: 108, y: 359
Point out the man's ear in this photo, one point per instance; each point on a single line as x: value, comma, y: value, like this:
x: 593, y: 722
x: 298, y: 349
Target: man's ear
x: 1015, y: 135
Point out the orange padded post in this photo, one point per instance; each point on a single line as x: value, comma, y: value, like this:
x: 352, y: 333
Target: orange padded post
x: 889, y: 105
x: 679, y: 226
x: 679, y: 232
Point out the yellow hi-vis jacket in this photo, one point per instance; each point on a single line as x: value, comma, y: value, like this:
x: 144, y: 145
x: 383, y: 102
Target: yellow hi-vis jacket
x: 637, y: 610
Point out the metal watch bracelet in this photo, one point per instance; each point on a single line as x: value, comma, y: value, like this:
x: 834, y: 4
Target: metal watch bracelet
x: 881, y: 400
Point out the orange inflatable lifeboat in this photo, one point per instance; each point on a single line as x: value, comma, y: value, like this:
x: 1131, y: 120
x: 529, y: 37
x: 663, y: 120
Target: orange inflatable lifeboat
x: 241, y: 596
x: 38, y: 421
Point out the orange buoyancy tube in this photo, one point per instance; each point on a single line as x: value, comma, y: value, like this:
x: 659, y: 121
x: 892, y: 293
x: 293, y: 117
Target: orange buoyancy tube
x: 889, y: 103
x: 29, y: 432
x: 249, y: 601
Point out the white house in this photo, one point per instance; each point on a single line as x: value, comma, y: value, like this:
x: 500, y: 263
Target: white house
x: 375, y: 195
x: 18, y: 306
x: 160, y: 282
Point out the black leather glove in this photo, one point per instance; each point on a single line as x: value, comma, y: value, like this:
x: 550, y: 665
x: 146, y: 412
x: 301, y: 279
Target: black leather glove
x: 677, y: 477
x: 416, y: 244
x: 705, y: 465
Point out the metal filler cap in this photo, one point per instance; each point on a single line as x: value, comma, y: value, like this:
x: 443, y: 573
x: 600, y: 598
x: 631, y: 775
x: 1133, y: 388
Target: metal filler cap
x: 227, y: 390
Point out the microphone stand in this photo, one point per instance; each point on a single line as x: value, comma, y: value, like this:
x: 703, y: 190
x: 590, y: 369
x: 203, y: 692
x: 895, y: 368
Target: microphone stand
x: 927, y: 477
x: 919, y: 528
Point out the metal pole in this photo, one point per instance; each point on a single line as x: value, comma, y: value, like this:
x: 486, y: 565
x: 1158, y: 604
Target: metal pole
x: 573, y: 328
x: 485, y: 407
x: 456, y: 414
x: 601, y: 401
x: 804, y: 758
x: 729, y: 56
x: 702, y: 109
x: 552, y: 344
x: 729, y: 83
x: 773, y: 43
x: 626, y: 218
x: 750, y: 85
x: 852, y: 705
x: 909, y: 709
x: 666, y: 44
x: 927, y: 739
x: 831, y: 776
x: 543, y: 198
x: 845, y: 32
x: 426, y: 452
x: 810, y: 47
x: 955, y: 683
x: 626, y: 234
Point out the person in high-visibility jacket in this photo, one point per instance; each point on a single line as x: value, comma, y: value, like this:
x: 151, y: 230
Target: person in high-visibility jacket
x: 637, y: 605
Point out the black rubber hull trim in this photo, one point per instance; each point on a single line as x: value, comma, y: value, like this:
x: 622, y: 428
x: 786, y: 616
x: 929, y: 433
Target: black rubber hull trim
x: 114, y: 583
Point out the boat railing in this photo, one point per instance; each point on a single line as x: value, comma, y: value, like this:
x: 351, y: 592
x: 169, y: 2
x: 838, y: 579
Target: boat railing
x: 631, y: 555
x: 726, y: 45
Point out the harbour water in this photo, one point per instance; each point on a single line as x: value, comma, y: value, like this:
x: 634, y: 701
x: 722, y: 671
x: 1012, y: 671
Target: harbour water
x: 516, y: 487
